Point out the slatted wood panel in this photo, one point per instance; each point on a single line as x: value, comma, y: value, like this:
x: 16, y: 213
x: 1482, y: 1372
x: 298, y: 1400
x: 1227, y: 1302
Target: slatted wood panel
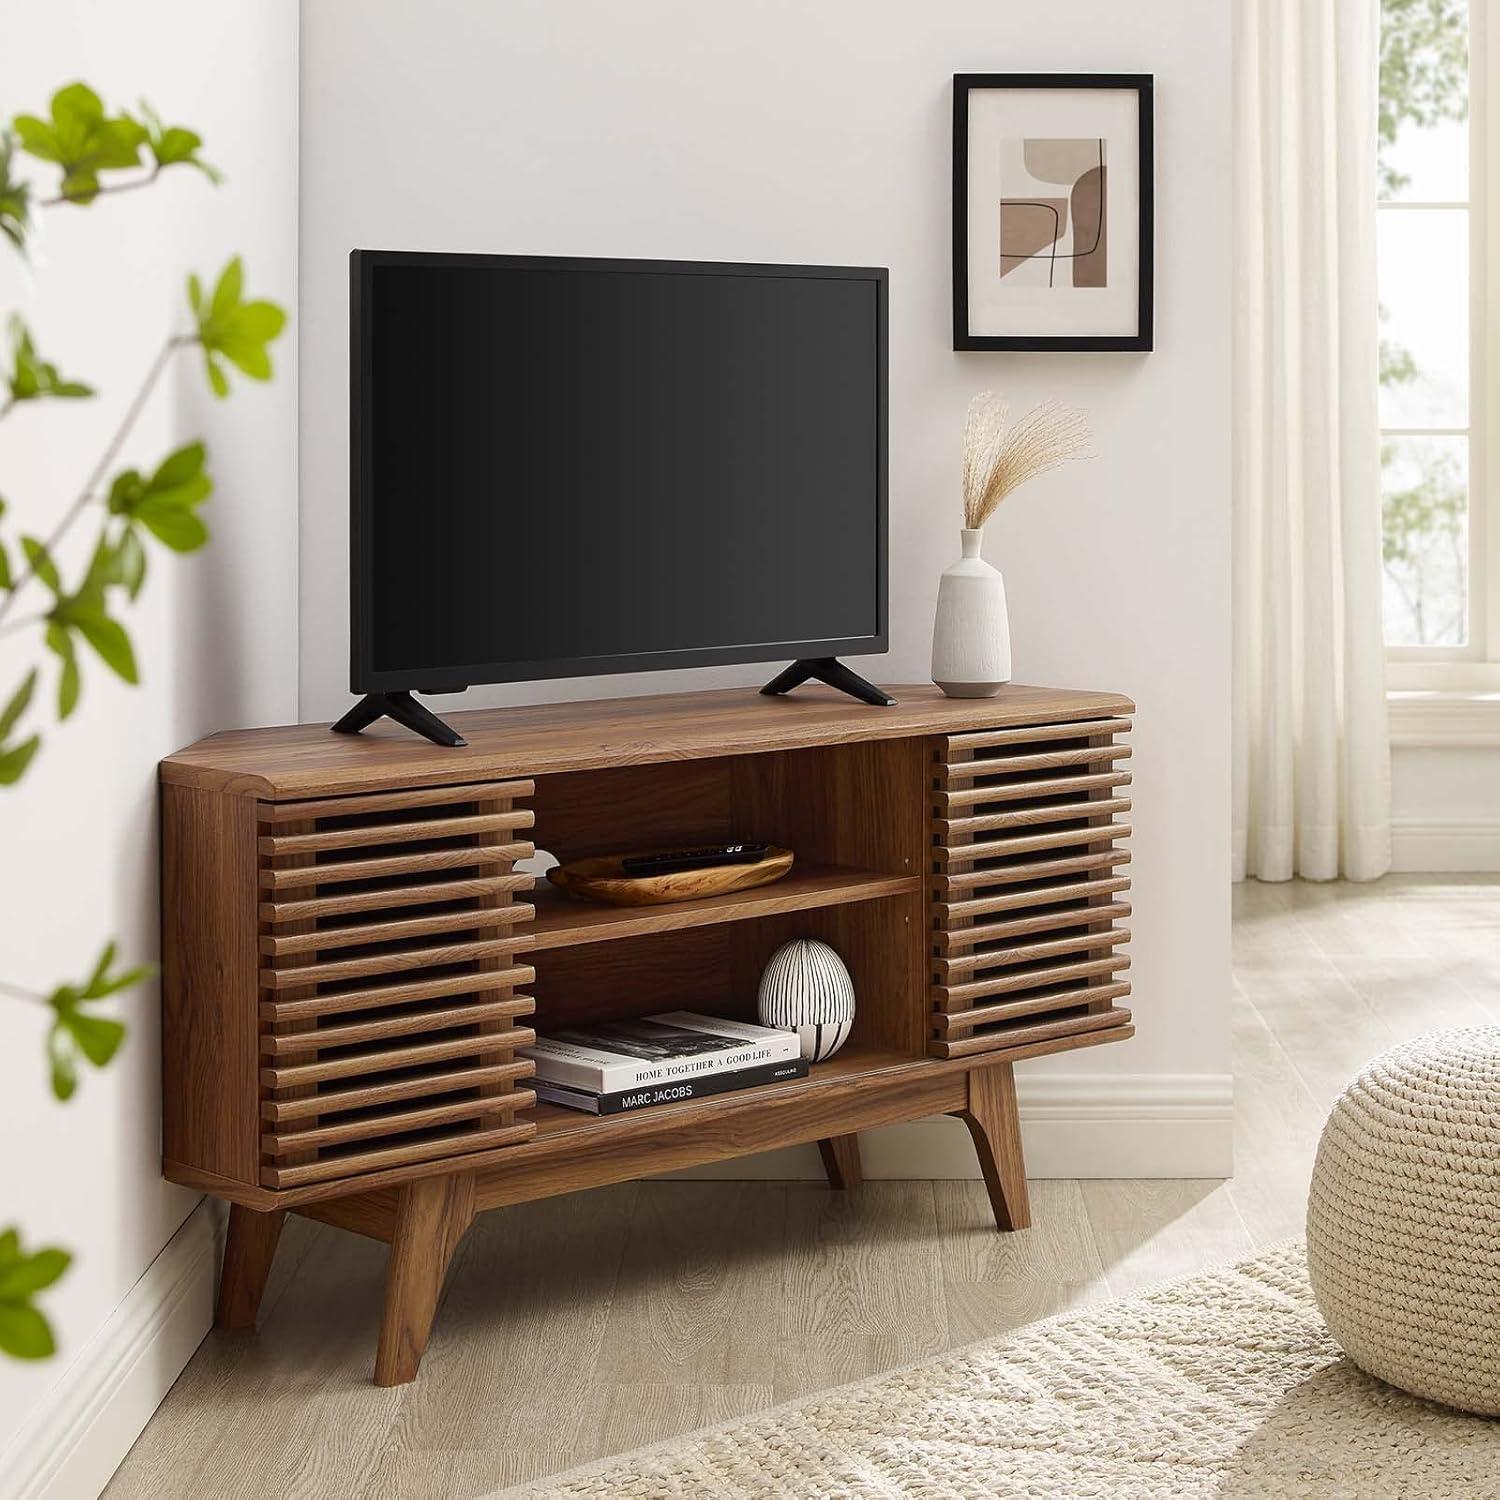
x: 390, y: 1003
x: 1029, y: 871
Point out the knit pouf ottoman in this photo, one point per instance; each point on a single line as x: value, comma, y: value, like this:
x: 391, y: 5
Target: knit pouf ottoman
x: 1403, y: 1219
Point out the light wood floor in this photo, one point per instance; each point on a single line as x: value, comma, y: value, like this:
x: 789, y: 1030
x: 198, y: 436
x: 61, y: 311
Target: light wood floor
x: 592, y: 1324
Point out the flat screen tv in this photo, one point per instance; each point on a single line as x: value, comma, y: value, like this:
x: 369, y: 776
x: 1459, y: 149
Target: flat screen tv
x: 565, y: 467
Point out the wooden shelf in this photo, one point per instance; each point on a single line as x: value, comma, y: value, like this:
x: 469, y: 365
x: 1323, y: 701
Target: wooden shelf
x: 553, y: 1120
x: 564, y: 923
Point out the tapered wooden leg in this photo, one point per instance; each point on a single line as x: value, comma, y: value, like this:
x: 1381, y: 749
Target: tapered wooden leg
x: 841, y: 1161
x: 249, y: 1248
x: 431, y: 1217
x: 996, y: 1128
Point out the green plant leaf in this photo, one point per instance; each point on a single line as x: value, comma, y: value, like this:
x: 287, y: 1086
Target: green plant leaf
x: 36, y: 137
x: 229, y: 328
x: 108, y: 638
x: 101, y: 983
x: 62, y: 1069
x: 76, y: 1031
x: 179, y: 468
x: 24, y: 1332
x: 180, y: 530
x: 58, y: 639
x: 98, y: 1037
x: 31, y: 376
x: 125, y: 490
x: 174, y: 145
x: 86, y: 612
x: 229, y: 290
x: 131, y: 556
x: 218, y: 381
x: 15, y: 197
x: 40, y: 562
x: 248, y: 358
x: 82, y: 140
x: 32, y: 1273
x: 15, y: 759
x: 69, y: 684
x: 102, y: 571
x: 20, y: 700
x: 164, y: 503
x: 7, y: 578
x: 103, y: 962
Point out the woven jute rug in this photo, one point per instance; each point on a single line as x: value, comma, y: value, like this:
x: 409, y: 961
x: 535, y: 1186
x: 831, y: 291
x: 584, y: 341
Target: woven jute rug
x: 1223, y: 1384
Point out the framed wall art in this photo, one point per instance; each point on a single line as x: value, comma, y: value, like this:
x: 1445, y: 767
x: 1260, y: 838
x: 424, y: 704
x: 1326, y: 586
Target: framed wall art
x: 1052, y: 211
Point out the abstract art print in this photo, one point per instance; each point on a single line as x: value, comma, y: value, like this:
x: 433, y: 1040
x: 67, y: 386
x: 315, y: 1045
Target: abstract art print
x: 1052, y: 221
x: 1053, y: 211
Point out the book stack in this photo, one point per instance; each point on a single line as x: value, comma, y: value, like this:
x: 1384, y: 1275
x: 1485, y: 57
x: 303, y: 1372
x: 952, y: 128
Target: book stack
x: 617, y: 1066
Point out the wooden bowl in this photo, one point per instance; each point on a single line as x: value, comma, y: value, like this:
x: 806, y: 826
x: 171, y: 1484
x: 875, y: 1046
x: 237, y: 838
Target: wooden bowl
x: 604, y: 880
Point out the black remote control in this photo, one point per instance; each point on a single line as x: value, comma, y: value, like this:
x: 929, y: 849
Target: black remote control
x: 693, y: 859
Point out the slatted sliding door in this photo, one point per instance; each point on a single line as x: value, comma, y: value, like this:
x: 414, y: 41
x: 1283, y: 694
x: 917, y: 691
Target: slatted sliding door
x: 389, y: 1002
x: 1029, y: 879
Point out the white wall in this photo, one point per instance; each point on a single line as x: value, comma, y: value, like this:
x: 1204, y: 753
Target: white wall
x: 1445, y: 808
x: 1445, y: 790
x: 820, y: 133
x: 215, y: 634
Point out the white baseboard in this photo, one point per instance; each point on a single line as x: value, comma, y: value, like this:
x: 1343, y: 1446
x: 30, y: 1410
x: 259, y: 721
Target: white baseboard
x: 1072, y: 1125
x: 77, y: 1437
x: 1445, y: 845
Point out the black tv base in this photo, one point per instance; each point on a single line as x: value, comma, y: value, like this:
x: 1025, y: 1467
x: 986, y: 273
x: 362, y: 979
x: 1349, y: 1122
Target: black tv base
x: 831, y: 670
x: 406, y: 711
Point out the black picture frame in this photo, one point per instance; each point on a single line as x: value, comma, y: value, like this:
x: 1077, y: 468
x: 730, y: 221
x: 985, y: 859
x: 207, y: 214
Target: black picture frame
x: 366, y: 676
x: 964, y: 85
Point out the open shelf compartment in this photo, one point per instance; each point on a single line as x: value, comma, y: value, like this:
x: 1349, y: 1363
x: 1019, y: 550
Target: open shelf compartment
x: 853, y: 815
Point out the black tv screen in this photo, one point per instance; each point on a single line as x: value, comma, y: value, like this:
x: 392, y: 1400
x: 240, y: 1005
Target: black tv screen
x: 564, y: 467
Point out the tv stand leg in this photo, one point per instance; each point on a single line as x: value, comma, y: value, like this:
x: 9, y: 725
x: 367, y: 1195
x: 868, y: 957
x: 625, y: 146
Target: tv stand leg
x: 432, y: 1215
x: 406, y: 711
x: 249, y: 1249
x: 993, y: 1122
x: 831, y: 670
x: 841, y: 1161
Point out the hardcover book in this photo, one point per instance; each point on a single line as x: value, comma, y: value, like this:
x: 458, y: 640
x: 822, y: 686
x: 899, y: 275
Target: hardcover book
x: 626, y: 1100
x: 614, y: 1056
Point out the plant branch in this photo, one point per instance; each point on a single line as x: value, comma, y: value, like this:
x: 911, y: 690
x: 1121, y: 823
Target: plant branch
x: 100, y: 469
x: 103, y: 190
x: 25, y: 622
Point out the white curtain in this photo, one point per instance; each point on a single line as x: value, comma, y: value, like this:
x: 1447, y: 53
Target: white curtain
x: 1311, y: 754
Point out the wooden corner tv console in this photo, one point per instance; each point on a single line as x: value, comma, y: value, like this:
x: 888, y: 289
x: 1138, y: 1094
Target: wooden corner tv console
x: 351, y: 962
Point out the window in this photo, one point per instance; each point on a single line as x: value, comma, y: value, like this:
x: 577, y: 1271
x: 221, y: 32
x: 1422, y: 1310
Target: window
x: 1430, y: 237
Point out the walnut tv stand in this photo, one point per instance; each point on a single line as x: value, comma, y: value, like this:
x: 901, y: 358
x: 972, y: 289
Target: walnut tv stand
x: 351, y: 961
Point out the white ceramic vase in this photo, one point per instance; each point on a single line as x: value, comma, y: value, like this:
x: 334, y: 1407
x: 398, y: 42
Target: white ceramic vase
x: 806, y: 988
x: 971, y: 635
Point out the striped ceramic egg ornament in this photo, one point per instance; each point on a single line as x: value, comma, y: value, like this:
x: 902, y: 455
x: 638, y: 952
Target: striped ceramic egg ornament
x: 807, y: 989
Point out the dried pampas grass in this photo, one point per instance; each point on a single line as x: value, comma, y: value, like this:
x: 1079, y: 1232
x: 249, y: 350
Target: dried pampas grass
x: 1000, y: 456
